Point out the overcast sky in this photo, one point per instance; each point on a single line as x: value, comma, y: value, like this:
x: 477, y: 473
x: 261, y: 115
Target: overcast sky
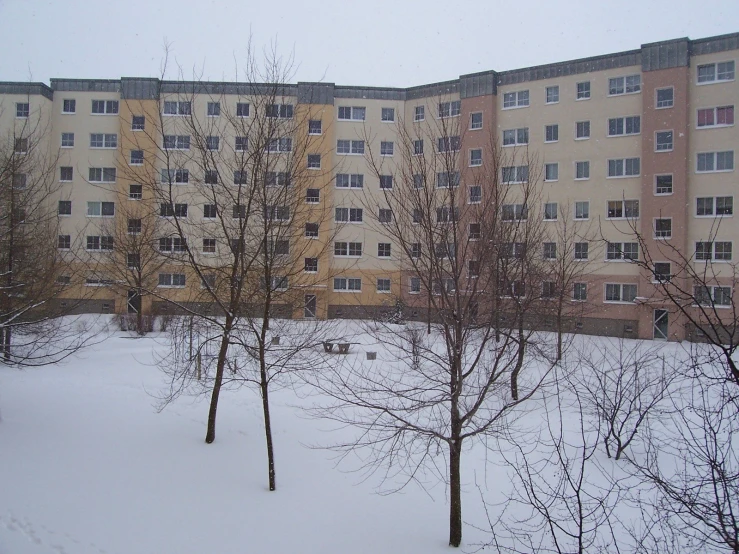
x: 376, y: 42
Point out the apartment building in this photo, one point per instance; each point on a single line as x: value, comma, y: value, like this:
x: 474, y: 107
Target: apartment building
x: 638, y: 142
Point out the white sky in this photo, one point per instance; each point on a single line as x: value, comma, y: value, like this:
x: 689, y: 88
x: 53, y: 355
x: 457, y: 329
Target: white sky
x: 376, y: 42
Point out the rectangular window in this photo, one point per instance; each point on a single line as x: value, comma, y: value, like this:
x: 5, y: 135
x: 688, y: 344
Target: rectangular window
x: 475, y: 194
x: 138, y: 123
x: 715, y: 161
x: 386, y: 182
x: 418, y: 147
x: 134, y: 227
x: 476, y: 157
x: 135, y: 192
x: 662, y: 272
x: 176, y: 142
x: 447, y: 179
x: 552, y: 94
x: 106, y: 107
x: 518, y: 99
x: 718, y: 251
x: 622, y: 251
x: 551, y: 133
x: 665, y: 97
x: 474, y: 231
x: 65, y: 207
x: 620, y: 293
x: 582, y: 170
x: 312, y: 196
x: 712, y: 296
x: 242, y: 109
x: 415, y: 250
x: 209, y: 246
x: 419, y: 113
x: 172, y: 280
x: 277, y: 179
x: 450, y: 109
x: 582, y: 210
x: 349, y: 180
x: 347, y: 284
x: 315, y: 127
x: 102, y: 175
x: 663, y: 184
x: 137, y: 157
x: 314, y: 161
x: 514, y: 212
x: 551, y: 171
x: 212, y: 143
x: 620, y: 126
x: 550, y: 251
x: 21, y: 146
x: 350, y: 147
x: 94, y: 242
x: 414, y: 286
x: 619, y: 209
x: 663, y: 228
x: 211, y: 177
x: 663, y: 141
x: 583, y: 90
x: 280, y: 145
x: 447, y: 214
x: 311, y: 230
x: 624, y: 85
x: 515, y: 174
x: 448, y: 144
x: 387, y: 148
x: 712, y: 72
x: 387, y: 115
x: 548, y: 289
x: 580, y: 292
x: 214, y: 109
x: 475, y: 121
x: 348, y: 215
x: 279, y: 111
x: 582, y: 130
x: 175, y: 176
x: 512, y: 137
x: 210, y: 211
x: 66, y: 173
x: 716, y: 117
x: 355, y: 113
x: 310, y: 265
x: 385, y: 215
x: 383, y: 249
x: 550, y: 211
x: 67, y: 140
x: 69, y: 105
x: 177, y: 108
x: 626, y: 167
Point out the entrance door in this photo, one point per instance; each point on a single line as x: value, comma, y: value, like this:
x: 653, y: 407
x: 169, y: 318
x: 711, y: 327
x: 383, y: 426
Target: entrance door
x: 660, y: 324
x: 310, y: 306
x: 134, y: 302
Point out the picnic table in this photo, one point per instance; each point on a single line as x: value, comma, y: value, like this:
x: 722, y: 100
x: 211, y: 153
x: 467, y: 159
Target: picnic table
x: 328, y: 345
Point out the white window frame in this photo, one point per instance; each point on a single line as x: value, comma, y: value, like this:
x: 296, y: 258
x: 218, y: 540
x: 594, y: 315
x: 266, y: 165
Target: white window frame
x: 665, y: 105
x: 624, y: 86
x: 672, y: 184
x: 715, y: 78
x: 516, y: 99
x: 715, y: 111
x: 555, y: 92
x: 475, y: 125
x: 620, y: 293
x: 714, y: 156
x: 356, y: 113
x: 624, y: 121
x: 664, y: 146
x: 656, y: 233
x: 582, y: 93
x: 623, y: 174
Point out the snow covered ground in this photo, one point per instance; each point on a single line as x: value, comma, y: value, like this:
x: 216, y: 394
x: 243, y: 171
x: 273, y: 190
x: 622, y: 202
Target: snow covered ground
x: 88, y: 466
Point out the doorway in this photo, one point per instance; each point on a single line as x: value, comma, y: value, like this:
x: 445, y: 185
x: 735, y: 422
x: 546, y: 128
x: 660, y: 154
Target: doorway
x: 309, y: 311
x: 134, y: 301
x: 661, y: 324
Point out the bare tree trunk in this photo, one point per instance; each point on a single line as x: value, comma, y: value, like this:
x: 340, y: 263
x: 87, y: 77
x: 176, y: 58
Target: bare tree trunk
x: 6, y: 344
x: 519, y: 361
x: 268, y: 428
x: 455, y: 493
x: 210, y: 435
x: 559, y: 335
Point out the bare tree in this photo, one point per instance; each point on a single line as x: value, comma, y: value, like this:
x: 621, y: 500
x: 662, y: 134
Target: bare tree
x: 466, y: 254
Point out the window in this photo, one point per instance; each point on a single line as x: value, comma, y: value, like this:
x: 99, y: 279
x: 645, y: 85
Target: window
x: 718, y: 251
x: 580, y: 292
x: 551, y: 171
x: 349, y: 180
x: 447, y: 214
x: 712, y: 72
x: 348, y: 215
x: 385, y: 215
x: 280, y: 247
x: 626, y: 167
x: 418, y: 180
x: 104, y: 242
x: 662, y: 272
x: 312, y: 196
x: 551, y: 133
x: 20, y: 181
x: 242, y: 109
x: 22, y: 109
x: 582, y: 210
x: 175, y: 176
x: 211, y: 177
x: 514, y: 212
x: 386, y: 182
x: 716, y: 117
x: 210, y: 211
x: 310, y: 265
x: 383, y: 249
x: 724, y: 205
x: 444, y: 250
x: 415, y: 250
x: 100, y: 140
x: 475, y: 121
x: 418, y: 147
x: 65, y: 242
x: 350, y: 147
x: 21, y: 146
x: 238, y: 211
x: 475, y: 194
x: 107, y: 107
x: 241, y: 144
x: 67, y: 140
x: 208, y: 281
x: 177, y: 108
x: 135, y: 192
x: 582, y: 130
x: 415, y: 285
x: 712, y: 296
x: 663, y: 184
x: 138, y: 123
x: 548, y: 289
x: 513, y: 137
x: 475, y: 157
x: 450, y: 109
x: 65, y: 207
x: 419, y: 113
x: 100, y: 209
x: 314, y: 161
x: 386, y: 148
x: 347, y: 284
x: 624, y: 85
x: 619, y: 126
x: 133, y: 261
x: 352, y: 113
x: 280, y: 145
x: 583, y: 90
x: 277, y: 179
x: 66, y: 173
x: 169, y: 210
x: 550, y: 251
x: 715, y: 161
x: 176, y: 142
x: 447, y: 179
x: 448, y: 144
x: 172, y: 244
x: 102, y: 174
x: 620, y: 293
x: 552, y: 94
x: 663, y: 228
x: 69, y: 105
x: 172, y: 280
x: 137, y: 157
x: 212, y: 143
x: 518, y: 99
x: 134, y: 226
x: 665, y: 97
x: 515, y: 174
x: 582, y: 170
x: 663, y: 141
x: 214, y: 109
x: 311, y: 230
x: 622, y: 251
x: 387, y: 115
x: 474, y: 232
x: 619, y: 209
x: 314, y: 127
x: 550, y: 211
x: 348, y: 249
